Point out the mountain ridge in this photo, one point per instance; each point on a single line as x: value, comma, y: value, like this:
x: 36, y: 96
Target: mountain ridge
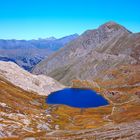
x: 91, y: 53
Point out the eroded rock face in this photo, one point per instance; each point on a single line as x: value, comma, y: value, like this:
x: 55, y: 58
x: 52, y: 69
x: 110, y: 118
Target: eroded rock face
x: 40, y: 84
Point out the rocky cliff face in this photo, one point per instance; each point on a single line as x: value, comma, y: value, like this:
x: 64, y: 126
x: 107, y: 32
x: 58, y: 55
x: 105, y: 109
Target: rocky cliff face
x: 42, y: 85
x: 93, y: 53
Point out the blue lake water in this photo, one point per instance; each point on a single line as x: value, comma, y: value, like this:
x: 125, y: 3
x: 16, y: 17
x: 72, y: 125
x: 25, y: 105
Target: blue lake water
x: 79, y: 98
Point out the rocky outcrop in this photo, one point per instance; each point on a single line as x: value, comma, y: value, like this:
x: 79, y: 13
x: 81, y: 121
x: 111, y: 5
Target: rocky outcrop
x: 94, y: 52
x: 40, y: 84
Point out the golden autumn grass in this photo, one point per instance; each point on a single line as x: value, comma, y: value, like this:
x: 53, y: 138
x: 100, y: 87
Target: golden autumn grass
x: 20, y: 100
x: 120, y: 76
x: 125, y: 79
x: 70, y: 118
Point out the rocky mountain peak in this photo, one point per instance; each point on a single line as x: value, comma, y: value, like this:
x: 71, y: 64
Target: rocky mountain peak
x: 111, y: 23
x: 105, y: 31
x: 113, y: 26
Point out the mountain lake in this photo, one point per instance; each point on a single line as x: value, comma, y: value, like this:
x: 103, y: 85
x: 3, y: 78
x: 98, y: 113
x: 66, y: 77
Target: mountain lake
x: 76, y: 97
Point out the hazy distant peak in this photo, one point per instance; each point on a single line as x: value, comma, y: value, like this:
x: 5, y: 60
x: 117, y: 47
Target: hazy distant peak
x: 51, y: 38
x: 70, y: 36
x: 48, y: 39
x: 75, y: 34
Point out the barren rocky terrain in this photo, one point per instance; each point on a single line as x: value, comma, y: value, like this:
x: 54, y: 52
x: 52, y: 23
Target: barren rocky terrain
x: 41, y: 84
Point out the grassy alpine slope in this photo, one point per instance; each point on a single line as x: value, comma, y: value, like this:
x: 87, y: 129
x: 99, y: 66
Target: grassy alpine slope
x: 25, y: 115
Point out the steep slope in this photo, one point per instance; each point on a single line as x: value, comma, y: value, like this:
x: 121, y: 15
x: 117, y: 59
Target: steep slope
x: 112, y: 55
x: 27, y: 53
x: 40, y: 84
x: 95, y: 51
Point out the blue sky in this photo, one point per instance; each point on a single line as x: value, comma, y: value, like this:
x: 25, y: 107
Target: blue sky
x: 32, y: 19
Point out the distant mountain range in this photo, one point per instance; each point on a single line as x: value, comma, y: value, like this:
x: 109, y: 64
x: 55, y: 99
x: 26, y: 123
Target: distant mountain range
x: 28, y: 53
x: 93, y: 54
